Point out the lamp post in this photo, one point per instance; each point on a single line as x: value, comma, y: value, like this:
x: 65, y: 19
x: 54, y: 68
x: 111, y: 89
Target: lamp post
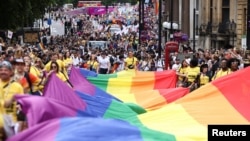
x: 171, y: 19
x: 141, y: 18
x: 139, y: 10
x: 203, y: 33
x: 159, y: 28
x: 194, y: 12
x: 169, y: 26
x: 232, y: 29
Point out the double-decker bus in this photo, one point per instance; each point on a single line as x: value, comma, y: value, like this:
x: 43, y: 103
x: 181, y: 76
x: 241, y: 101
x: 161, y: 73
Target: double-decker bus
x: 88, y: 3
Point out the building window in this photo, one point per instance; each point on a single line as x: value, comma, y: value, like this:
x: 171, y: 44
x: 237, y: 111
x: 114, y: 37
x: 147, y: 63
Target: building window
x: 211, y: 11
x: 225, y: 10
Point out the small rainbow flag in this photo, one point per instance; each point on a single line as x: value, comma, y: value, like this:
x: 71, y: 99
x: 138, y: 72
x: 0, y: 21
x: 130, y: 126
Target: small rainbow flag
x: 41, y: 46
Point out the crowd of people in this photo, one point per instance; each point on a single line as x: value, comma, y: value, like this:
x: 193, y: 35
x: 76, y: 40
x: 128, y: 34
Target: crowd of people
x: 25, y: 69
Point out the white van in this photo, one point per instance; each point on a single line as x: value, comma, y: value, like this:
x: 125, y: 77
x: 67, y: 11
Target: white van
x: 68, y: 6
x: 98, y: 44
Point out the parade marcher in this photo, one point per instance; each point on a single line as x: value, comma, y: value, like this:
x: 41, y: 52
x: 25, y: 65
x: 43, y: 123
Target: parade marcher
x: 234, y: 64
x: 67, y: 62
x: 223, y: 71
x: 160, y: 65
x: 181, y: 73
x: 8, y: 88
x: 54, y: 68
x: 92, y: 63
x: 192, y: 74
x: 62, y: 68
x: 176, y: 66
x: 119, y: 64
x: 29, y: 81
x: 131, y: 62
x: 203, y: 76
x: 144, y: 64
x: 104, y: 64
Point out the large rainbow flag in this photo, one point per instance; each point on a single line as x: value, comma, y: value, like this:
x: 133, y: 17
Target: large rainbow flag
x: 100, y: 105
x: 81, y: 84
x: 224, y: 101
x: 151, y: 90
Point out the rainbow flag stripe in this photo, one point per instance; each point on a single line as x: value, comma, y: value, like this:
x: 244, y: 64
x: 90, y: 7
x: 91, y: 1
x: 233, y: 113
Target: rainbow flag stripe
x: 151, y: 90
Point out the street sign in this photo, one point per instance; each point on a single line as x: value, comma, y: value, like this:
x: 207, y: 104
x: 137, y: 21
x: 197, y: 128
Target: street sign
x: 49, y: 22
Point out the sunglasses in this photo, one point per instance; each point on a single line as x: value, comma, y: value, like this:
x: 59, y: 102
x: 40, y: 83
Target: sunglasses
x: 53, y: 67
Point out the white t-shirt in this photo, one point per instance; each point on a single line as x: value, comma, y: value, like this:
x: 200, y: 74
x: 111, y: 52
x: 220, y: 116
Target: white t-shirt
x: 104, y: 62
x: 159, y: 65
x: 176, y: 67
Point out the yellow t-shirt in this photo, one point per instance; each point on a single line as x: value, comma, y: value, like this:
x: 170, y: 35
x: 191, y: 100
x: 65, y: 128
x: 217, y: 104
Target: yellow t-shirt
x: 131, y: 61
x: 93, y: 63
x: 204, y: 79
x: 35, y: 71
x: 59, y: 62
x: 221, y: 73
x: 61, y: 76
x: 182, y: 71
x: 7, y: 91
x: 67, y: 62
x: 192, y: 73
x: 61, y: 67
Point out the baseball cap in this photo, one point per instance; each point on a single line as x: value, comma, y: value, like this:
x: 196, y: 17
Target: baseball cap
x: 19, y: 61
x: 6, y: 64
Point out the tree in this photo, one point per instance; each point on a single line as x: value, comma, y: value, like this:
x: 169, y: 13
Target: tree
x: 20, y: 13
x: 108, y: 2
x: 132, y: 2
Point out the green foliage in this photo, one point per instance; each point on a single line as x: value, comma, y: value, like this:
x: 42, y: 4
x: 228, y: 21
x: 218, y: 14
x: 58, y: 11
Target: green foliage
x: 21, y: 13
x: 108, y: 2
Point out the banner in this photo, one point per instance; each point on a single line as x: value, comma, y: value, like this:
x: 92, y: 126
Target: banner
x: 10, y: 34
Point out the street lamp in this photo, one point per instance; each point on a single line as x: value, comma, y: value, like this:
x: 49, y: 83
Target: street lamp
x: 232, y: 28
x: 203, y: 33
x: 169, y: 26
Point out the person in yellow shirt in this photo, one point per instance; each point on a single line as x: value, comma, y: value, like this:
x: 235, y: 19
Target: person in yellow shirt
x: 55, y: 69
x: 223, y: 71
x: 9, y: 88
x: 203, y: 77
x: 92, y: 63
x: 28, y: 80
x: 192, y: 71
x: 67, y: 59
x: 62, y: 68
x: 37, y: 68
x: 182, y: 71
x: 192, y: 74
x: 131, y: 62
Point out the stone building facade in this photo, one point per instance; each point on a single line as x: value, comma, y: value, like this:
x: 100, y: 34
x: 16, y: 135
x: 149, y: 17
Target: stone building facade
x: 225, y: 22
x: 218, y: 23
